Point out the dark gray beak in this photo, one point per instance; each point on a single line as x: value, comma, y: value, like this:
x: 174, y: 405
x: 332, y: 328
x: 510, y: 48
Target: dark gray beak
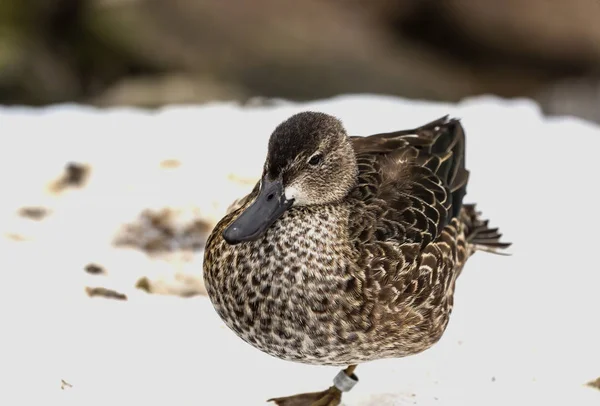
x: 270, y: 204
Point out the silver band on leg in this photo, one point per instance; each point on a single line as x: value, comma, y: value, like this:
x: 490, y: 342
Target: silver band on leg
x: 344, y: 382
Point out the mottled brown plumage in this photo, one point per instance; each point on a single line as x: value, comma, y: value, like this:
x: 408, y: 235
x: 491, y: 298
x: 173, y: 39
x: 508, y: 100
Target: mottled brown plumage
x: 348, y: 249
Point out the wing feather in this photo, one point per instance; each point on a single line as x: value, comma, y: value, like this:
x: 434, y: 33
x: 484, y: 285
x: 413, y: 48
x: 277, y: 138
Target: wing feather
x: 417, y: 176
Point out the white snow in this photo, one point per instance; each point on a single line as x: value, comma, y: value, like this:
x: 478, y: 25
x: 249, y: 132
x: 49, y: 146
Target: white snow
x: 525, y: 329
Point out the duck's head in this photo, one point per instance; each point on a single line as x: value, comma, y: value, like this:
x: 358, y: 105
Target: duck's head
x: 310, y: 161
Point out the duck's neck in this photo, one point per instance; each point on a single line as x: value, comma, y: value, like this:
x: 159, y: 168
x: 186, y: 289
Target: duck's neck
x: 305, y: 242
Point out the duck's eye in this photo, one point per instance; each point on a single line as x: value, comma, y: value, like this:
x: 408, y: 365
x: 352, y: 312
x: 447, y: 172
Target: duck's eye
x: 315, y: 159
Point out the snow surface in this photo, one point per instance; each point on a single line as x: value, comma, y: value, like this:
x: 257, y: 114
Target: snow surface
x: 525, y: 329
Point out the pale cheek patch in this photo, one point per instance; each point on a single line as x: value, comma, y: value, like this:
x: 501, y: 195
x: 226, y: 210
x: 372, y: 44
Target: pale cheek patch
x: 292, y: 192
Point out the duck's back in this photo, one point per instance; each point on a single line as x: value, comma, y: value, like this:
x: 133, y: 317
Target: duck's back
x: 416, y: 178
x: 411, y: 230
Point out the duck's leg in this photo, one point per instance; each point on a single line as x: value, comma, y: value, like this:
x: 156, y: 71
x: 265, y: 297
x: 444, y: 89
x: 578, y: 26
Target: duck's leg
x: 343, y: 382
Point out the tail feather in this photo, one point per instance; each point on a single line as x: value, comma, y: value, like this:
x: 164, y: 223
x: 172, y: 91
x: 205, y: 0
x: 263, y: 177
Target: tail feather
x: 481, y: 237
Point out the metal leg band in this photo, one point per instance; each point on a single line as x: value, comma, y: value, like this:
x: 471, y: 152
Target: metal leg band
x: 344, y: 382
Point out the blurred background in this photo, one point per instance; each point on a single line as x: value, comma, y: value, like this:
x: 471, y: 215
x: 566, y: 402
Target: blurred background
x: 150, y: 53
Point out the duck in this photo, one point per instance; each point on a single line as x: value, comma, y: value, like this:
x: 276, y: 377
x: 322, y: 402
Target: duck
x: 348, y: 248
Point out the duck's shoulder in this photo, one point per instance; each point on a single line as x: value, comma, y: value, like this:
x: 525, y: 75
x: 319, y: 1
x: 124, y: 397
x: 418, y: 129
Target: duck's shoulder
x: 243, y: 201
x: 230, y: 214
x: 410, y: 183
